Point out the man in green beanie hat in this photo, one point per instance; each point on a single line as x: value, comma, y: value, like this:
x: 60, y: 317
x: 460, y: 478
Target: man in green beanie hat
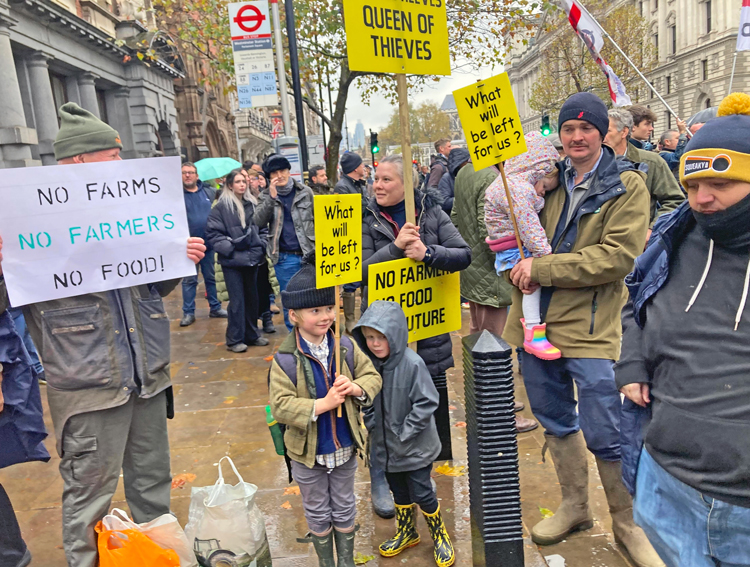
x: 106, y: 357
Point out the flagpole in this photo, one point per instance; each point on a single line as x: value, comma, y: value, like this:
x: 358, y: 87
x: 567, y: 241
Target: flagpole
x: 731, y: 79
x: 641, y: 75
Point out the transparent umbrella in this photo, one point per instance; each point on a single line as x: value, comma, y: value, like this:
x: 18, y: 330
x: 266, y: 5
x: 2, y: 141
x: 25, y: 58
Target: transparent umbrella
x: 703, y: 116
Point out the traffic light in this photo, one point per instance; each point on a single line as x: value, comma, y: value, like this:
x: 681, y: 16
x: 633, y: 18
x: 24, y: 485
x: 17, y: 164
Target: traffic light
x: 375, y: 164
x: 546, y: 128
x: 374, y: 148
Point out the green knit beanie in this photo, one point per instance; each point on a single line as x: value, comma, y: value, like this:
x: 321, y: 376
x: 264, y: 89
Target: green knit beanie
x: 82, y: 133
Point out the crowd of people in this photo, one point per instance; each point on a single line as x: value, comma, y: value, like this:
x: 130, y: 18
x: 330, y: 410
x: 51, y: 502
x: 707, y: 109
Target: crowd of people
x: 608, y: 281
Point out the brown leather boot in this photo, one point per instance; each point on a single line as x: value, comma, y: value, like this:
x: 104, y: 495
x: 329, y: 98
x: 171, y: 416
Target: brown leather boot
x: 569, y: 456
x: 627, y: 534
x: 524, y: 424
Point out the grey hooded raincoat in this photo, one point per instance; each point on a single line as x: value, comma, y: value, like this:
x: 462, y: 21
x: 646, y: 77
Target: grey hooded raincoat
x: 403, y: 436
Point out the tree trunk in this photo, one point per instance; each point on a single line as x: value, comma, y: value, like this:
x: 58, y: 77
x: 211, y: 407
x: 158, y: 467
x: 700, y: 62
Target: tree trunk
x: 337, y: 120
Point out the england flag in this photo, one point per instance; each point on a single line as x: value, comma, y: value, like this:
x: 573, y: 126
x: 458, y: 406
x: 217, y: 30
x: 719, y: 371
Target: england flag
x: 589, y: 31
x: 743, y: 37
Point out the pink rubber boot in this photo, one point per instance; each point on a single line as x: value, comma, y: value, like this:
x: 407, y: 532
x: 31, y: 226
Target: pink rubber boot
x: 535, y: 342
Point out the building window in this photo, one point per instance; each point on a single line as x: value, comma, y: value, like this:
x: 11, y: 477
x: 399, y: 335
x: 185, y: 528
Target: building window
x: 59, y: 91
x: 669, y: 84
x: 673, y: 37
x: 656, y: 5
x: 708, y: 103
x: 669, y: 120
x: 640, y: 8
x: 656, y: 45
x: 704, y: 69
x: 708, y: 16
x: 102, y: 105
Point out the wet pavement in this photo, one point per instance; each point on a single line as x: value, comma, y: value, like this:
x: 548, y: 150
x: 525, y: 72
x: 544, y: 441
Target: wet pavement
x: 220, y: 400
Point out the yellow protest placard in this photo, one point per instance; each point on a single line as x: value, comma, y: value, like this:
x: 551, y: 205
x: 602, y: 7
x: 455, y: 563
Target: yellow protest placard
x: 430, y: 298
x: 338, y: 239
x: 490, y: 120
x: 397, y: 36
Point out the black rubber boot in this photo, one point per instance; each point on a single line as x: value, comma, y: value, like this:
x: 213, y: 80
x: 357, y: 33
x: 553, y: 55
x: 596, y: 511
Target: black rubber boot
x: 323, y: 548
x: 345, y: 547
x: 382, y: 499
x: 268, y: 326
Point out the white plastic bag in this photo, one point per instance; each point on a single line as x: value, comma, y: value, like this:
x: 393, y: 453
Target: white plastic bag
x: 164, y: 531
x: 224, y: 523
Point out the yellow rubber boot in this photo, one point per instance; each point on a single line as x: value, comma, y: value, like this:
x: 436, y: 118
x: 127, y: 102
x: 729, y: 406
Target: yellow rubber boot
x: 406, y: 532
x: 444, y: 553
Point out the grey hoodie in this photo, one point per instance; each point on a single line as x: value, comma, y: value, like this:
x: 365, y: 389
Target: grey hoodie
x: 403, y: 436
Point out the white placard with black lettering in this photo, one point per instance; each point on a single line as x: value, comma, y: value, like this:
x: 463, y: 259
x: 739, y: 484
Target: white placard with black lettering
x: 74, y: 229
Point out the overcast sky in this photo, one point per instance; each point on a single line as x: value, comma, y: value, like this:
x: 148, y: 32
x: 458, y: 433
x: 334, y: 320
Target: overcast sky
x: 375, y: 116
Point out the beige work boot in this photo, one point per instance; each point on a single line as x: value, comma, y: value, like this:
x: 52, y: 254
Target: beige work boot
x: 627, y: 534
x: 349, y: 318
x: 569, y: 456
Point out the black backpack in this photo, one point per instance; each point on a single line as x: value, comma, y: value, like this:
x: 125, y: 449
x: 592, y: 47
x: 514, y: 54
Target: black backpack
x: 288, y: 363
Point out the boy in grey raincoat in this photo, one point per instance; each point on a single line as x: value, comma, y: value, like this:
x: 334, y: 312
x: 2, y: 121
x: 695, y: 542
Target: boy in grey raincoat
x: 402, y: 429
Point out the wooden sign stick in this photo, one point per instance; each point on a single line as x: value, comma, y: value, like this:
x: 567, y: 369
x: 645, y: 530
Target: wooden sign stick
x: 501, y: 165
x: 403, y: 116
x: 337, y: 335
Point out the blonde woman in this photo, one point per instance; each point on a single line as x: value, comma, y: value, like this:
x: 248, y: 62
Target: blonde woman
x: 240, y: 248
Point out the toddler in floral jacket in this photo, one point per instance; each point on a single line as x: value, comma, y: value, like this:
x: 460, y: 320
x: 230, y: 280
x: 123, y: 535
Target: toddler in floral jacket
x: 529, y: 176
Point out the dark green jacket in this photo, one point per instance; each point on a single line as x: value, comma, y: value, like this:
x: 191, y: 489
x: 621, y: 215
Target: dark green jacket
x: 479, y: 282
x: 660, y: 182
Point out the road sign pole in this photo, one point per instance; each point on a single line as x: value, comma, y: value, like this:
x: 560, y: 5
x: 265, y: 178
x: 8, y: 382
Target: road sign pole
x: 291, y: 34
x: 280, y: 69
x: 403, y: 114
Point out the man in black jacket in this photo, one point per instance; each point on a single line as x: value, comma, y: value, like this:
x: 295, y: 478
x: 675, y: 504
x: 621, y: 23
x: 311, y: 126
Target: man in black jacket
x: 353, y: 178
x: 685, y: 358
x: 439, y: 165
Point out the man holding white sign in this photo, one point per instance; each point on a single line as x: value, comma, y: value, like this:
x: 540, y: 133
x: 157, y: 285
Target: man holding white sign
x: 106, y: 354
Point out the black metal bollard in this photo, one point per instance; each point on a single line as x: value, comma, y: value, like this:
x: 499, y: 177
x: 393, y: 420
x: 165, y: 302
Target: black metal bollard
x: 494, y: 488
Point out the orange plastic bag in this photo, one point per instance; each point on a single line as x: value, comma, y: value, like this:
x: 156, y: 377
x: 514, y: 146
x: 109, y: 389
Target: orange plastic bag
x: 128, y: 548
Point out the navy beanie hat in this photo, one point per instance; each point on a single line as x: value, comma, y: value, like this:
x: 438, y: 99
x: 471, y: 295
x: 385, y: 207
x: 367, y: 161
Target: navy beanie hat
x: 275, y: 162
x: 721, y: 148
x: 588, y: 107
x: 302, y: 293
x: 350, y: 161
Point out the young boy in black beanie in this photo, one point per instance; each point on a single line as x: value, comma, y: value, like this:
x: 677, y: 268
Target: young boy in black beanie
x: 306, y: 397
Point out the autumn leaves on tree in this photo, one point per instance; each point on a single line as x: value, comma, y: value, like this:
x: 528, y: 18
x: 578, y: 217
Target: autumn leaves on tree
x: 480, y: 33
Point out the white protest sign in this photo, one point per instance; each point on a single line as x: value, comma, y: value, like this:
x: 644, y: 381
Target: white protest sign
x: 83, y: 228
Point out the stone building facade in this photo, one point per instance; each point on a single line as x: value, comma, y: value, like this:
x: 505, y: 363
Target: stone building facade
x: 695, y: 41
x: 55, y: 51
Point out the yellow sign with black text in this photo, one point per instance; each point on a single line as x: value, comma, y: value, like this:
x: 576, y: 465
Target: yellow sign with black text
x: 489, y: 116
x: 397, y: 36
x: 338, y: 239
x: 430, y: 298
